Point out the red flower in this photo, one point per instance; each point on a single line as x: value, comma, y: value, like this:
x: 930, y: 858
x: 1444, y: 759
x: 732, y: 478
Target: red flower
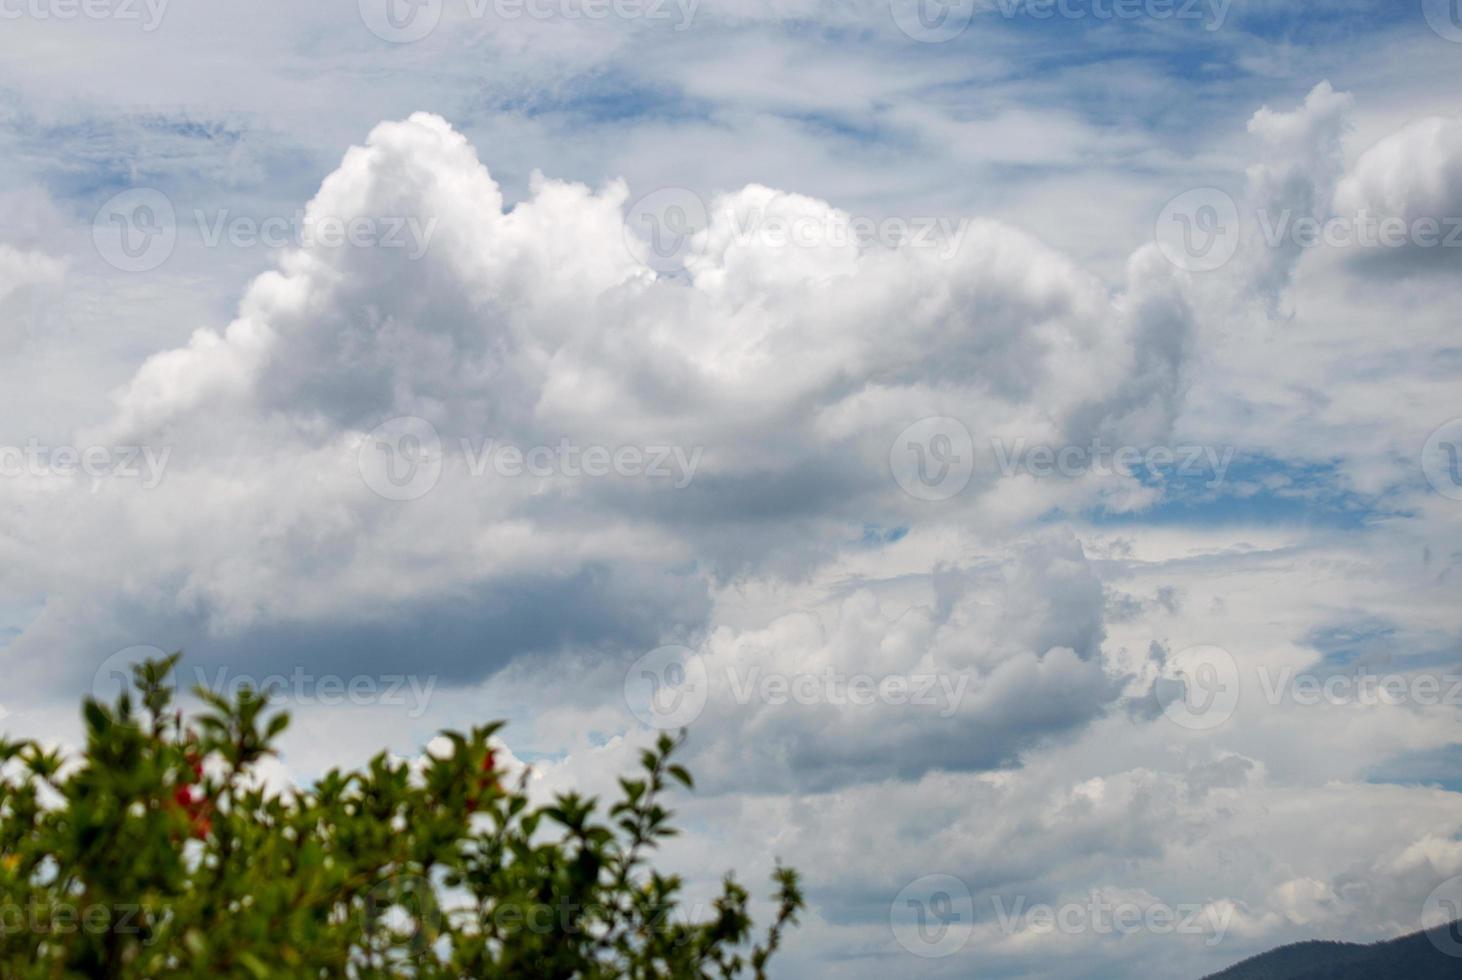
x: 189, y: 799
x: 484, y: 781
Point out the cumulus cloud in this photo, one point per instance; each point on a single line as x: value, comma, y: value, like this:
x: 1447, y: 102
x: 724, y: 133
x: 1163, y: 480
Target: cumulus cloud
x: 1301, y: 157
x: 783, y: 372
x: 884, y: 682
x: 1041, y: 607
x: 1405, y: 194
x: 1415, y: 172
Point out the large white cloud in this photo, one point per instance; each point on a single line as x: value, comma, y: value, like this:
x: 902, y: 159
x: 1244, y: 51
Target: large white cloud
x: 782, y: 372
x: 1414, y: 173
x: 526, y: 318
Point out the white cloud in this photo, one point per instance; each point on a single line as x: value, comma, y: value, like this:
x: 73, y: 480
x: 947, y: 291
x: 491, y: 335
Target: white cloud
x: 527, y: 319
x: 1415, y: 172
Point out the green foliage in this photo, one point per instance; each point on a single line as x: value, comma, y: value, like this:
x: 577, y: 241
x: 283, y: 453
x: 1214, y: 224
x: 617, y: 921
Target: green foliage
x: 158, y: 854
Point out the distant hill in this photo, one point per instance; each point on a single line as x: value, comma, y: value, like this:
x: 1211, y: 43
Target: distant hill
x: 1412, y: 957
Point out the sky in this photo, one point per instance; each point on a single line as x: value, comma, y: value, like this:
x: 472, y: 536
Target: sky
x: 1020, y: 441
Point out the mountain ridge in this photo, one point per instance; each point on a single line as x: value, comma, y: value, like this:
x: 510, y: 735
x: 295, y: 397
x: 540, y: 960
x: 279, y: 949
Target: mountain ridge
x: 1417, y: 956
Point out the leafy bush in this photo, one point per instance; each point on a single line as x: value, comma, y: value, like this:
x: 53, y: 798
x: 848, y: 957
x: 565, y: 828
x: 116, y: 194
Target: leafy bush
x: 159, y: 854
